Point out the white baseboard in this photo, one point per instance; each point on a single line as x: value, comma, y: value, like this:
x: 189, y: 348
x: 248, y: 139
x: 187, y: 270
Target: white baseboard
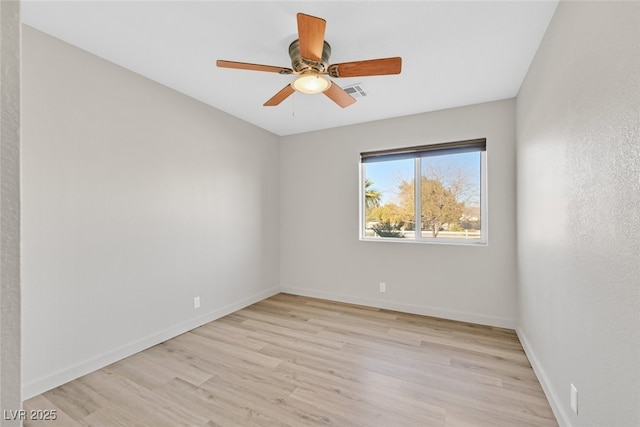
x: 68, y: 374
x: 405, y: 308
x: 559, y: 412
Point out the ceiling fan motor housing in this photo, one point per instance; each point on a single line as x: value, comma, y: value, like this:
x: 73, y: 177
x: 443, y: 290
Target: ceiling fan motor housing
x: 302, y: 65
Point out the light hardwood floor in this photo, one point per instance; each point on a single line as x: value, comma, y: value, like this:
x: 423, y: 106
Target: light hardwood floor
x: 297, y: 361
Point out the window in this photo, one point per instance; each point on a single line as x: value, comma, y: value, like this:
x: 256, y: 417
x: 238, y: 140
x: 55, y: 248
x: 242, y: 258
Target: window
x: 430, y: 193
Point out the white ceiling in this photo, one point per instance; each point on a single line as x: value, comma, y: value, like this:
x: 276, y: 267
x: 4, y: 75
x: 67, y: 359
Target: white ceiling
x: 454, y: 53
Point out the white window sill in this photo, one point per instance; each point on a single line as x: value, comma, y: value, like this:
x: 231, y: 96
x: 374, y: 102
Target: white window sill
x: 436, y: 241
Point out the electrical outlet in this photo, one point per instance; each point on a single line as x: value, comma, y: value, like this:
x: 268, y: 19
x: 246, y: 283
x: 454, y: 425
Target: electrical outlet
x: 196, y: 303
x: 574, y: 399
x: 383, y: 287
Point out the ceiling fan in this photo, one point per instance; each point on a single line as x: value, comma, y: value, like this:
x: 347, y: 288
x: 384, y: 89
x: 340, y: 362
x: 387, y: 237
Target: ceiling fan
x: 309, y: 61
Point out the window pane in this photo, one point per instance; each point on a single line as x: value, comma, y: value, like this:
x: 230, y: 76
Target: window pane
x: 388, y: 199
x: 450, y: 196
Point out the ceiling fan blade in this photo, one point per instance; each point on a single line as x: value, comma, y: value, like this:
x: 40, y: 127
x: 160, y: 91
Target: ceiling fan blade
x: 372, y: 67
x: 311, y: 36
x: 253, y: 67
x: 339, y: 96
x: 280, y: 96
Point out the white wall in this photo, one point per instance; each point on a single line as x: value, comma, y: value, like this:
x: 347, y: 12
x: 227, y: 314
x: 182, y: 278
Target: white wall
x: 9, y: 211
x: 136, y: 199
x: 321, y: 254
x: 579, y: 212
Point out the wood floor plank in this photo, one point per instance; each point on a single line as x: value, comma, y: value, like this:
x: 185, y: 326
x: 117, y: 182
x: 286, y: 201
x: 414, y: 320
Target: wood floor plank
x: 175, y: 367
x: 371, y: 393
x: 297, y: 361
x: 114, y: 415
x: 219, y: 410
x: 59, y: 418
x: 76, y: 400
x: 141, y: 372
x: 128, y: 396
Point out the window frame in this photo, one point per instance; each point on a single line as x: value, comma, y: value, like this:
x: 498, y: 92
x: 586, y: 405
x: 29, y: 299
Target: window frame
x: 406, y: 152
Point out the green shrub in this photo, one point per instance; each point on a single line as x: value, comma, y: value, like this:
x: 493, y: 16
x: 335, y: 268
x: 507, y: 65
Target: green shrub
x: 389, y: 229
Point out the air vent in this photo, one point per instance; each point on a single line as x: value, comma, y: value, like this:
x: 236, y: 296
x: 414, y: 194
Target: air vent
x: 356, y: 90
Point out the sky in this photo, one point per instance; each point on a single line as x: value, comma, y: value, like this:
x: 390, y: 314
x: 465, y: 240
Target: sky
x: 387, y: 175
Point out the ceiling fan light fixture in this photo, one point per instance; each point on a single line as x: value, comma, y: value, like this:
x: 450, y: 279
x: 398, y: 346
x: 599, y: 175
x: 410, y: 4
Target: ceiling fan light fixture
x: 311, y: 83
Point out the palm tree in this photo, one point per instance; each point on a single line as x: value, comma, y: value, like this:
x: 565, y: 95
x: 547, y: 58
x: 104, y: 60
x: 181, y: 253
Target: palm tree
x: 371, y: 196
